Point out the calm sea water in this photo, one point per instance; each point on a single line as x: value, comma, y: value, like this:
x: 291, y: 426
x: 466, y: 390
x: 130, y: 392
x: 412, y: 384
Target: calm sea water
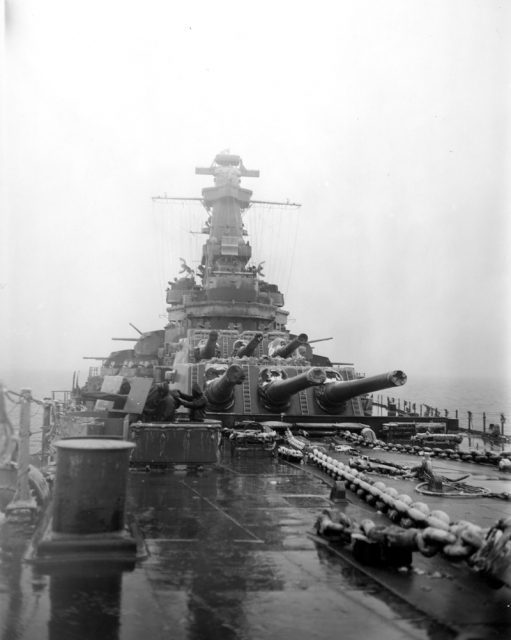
x: 478, y: 395
x: 492, y: 396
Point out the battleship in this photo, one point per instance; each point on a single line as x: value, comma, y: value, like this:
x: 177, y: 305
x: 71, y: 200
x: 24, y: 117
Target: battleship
x: 220, y: 479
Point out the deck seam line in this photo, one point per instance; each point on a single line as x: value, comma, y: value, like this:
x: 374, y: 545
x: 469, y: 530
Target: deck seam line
x: 215, y: 506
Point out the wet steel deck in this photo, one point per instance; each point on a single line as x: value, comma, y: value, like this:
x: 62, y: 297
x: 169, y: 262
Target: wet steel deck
x: 231, y: 555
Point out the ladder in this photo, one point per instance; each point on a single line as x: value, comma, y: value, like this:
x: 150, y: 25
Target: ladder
x: 194, y: 374
x: 224, y: 346
x: 356, y: 407
x: 245, y: 389
x: 304, y: 403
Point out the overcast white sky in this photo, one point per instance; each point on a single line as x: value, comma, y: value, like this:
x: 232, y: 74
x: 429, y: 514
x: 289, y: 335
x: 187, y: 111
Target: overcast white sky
x: 388, y: 120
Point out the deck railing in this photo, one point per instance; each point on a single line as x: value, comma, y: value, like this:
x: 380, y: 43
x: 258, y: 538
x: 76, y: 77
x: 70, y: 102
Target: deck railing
x: 489, y: 422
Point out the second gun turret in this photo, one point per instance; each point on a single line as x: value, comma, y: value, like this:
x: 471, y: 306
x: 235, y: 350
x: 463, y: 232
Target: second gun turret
x: 332, y: 397
x: 276, y: 389
x: 220, y: 391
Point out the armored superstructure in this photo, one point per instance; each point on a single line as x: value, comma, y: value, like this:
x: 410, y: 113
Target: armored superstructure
x: 227, y: 329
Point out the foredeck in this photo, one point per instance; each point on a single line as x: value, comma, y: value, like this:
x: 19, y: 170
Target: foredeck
x: 231, y: 554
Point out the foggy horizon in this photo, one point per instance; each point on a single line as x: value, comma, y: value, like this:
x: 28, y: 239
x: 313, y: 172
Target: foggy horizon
x: 388, y: 122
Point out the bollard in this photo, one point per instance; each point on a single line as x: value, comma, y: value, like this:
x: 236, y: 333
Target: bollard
x: 90, y: 485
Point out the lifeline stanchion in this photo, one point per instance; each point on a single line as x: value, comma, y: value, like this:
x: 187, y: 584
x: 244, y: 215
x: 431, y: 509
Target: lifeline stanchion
x: 23, y: 505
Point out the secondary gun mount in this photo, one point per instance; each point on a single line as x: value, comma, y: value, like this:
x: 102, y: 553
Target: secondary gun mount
x: 276, y: 393
x: 332, y: 396
x: 220, y: 391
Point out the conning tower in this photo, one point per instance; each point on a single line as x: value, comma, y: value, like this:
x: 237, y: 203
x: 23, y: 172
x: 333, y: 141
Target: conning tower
x: 230, y: 294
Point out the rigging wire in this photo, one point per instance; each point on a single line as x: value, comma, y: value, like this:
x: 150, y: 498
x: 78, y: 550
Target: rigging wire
x: 180, y: 223
x: 272, y: 232
x: 293, y: 252
x: 158, y: 244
